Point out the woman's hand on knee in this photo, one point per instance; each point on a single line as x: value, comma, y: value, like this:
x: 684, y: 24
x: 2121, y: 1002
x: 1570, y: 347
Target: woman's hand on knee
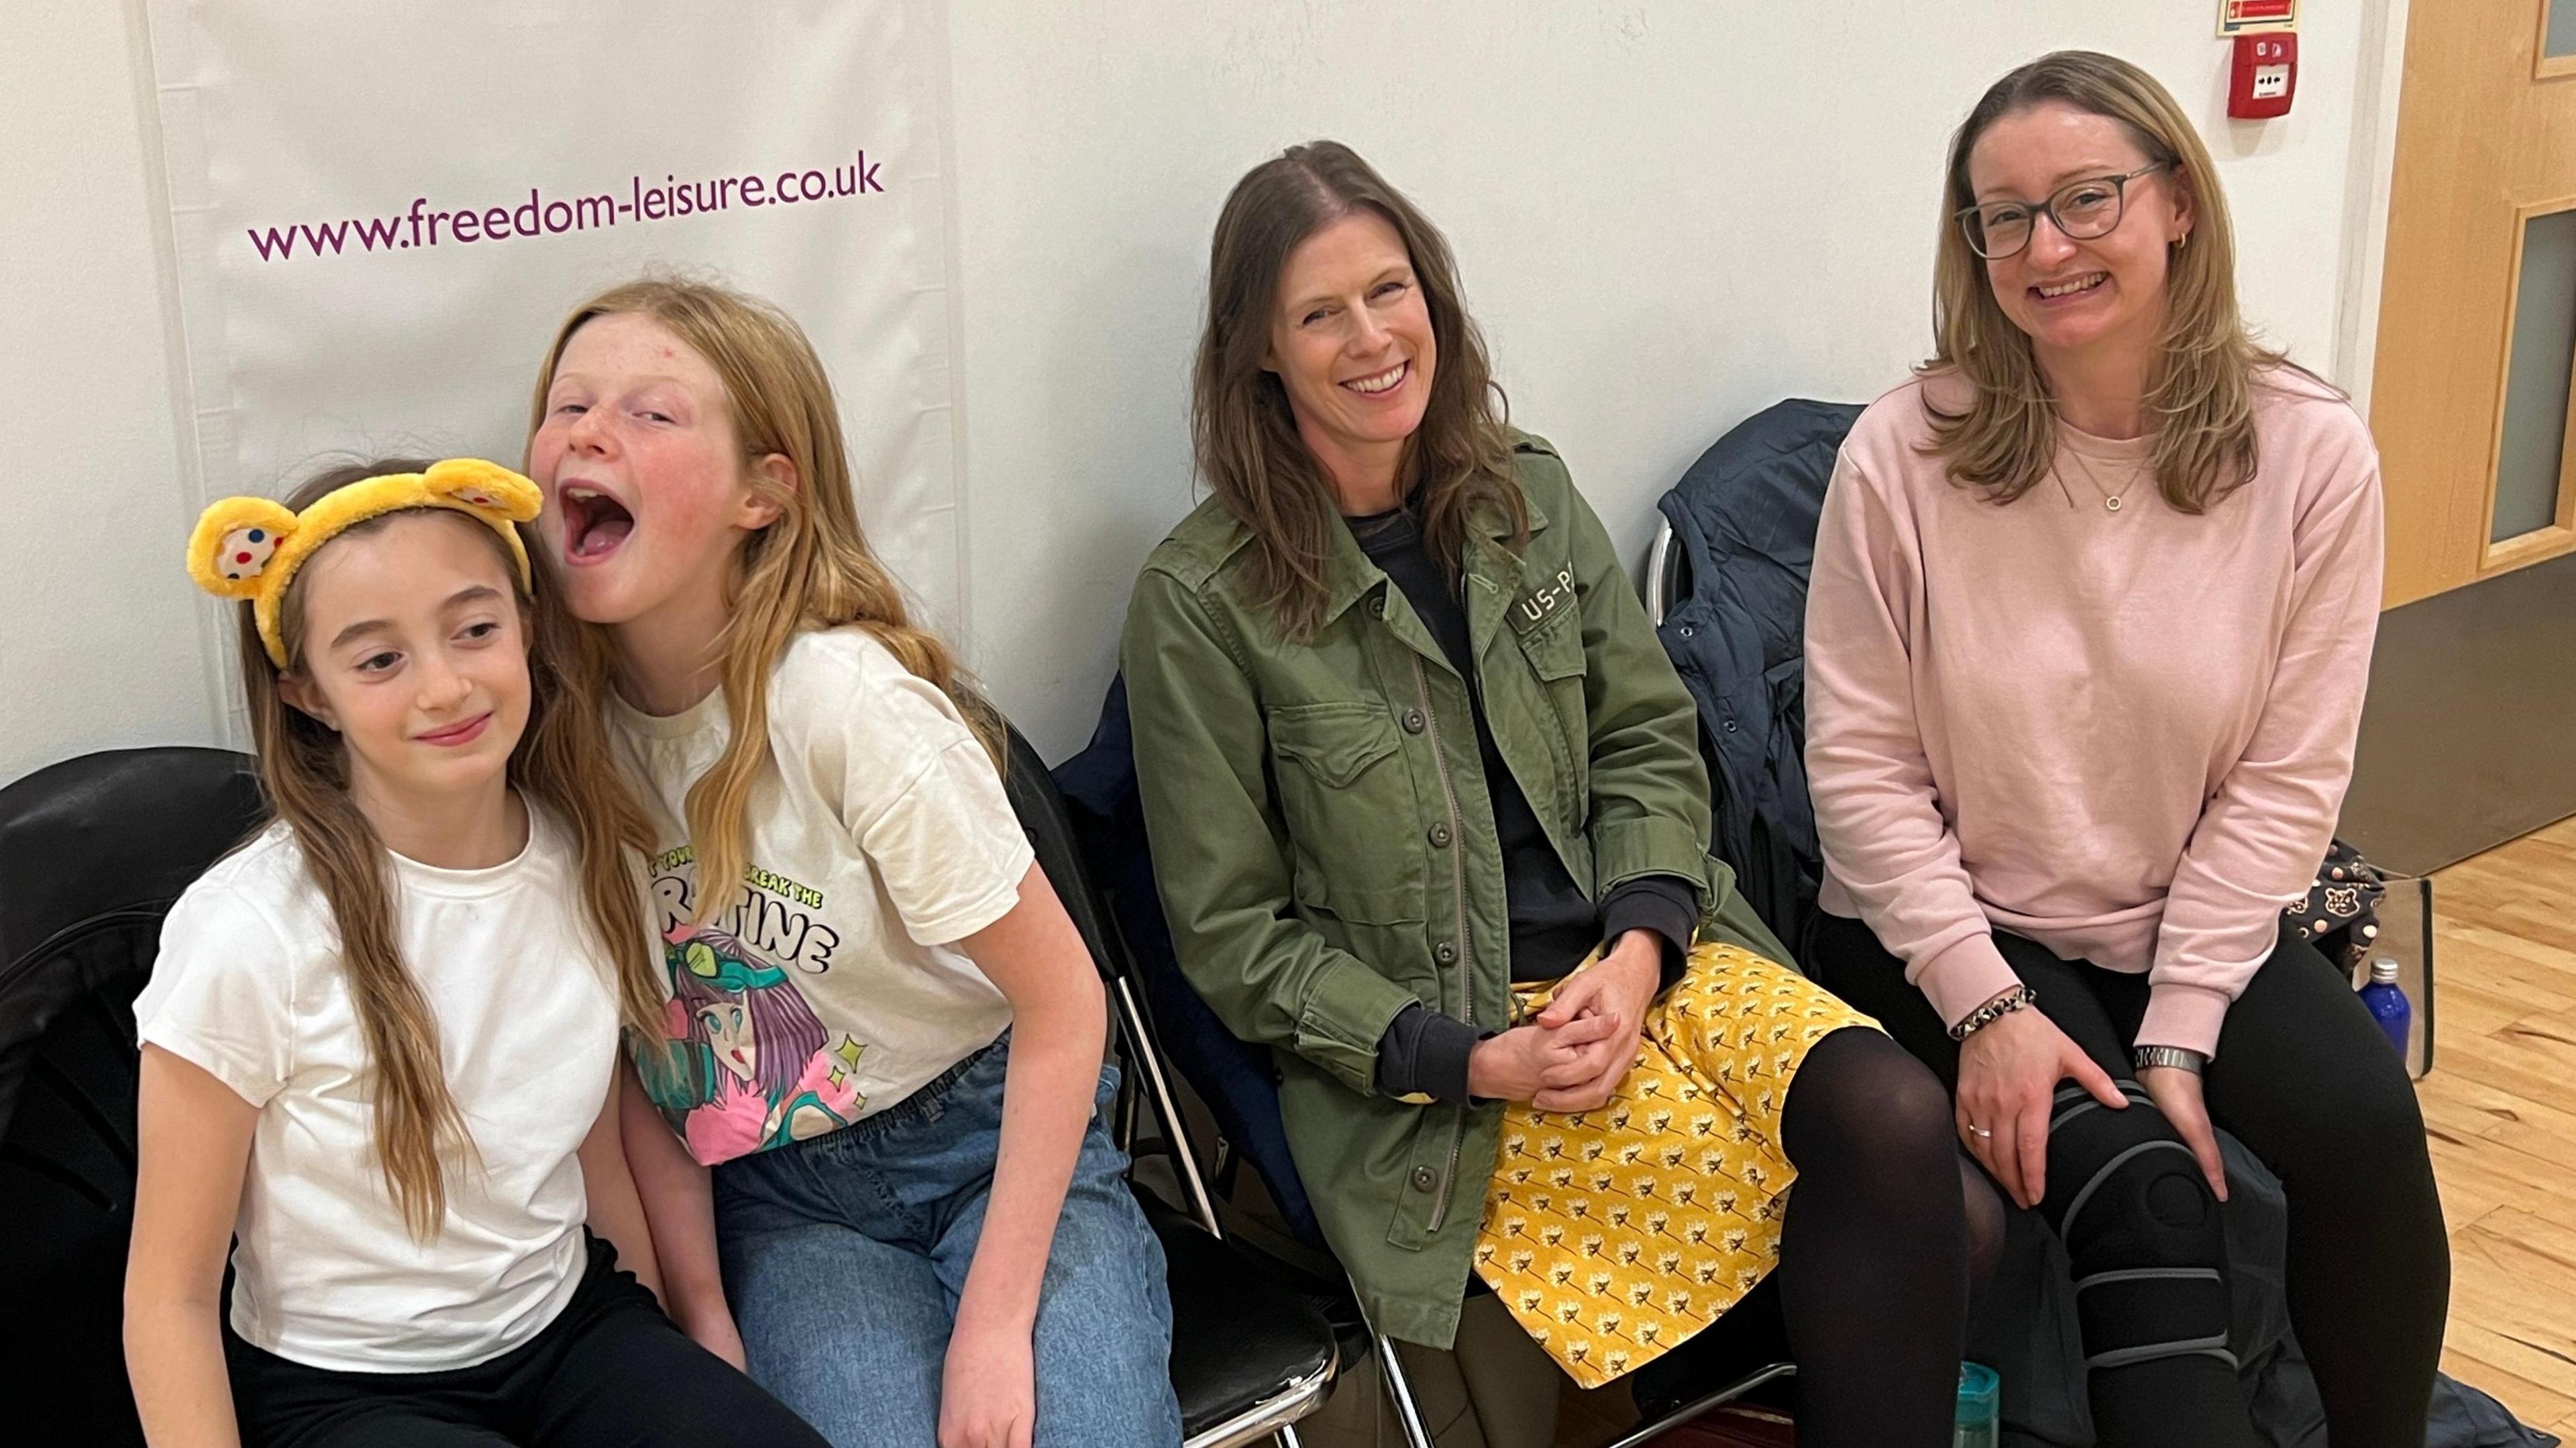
x: 2008, y: 1075
x: 2177, y: 1093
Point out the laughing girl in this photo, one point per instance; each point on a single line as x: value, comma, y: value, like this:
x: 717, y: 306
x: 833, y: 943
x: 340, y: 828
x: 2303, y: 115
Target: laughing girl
x: 883, y: 1033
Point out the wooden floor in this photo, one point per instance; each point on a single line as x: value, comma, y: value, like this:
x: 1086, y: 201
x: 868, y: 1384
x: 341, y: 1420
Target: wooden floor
x: 2501, y: 1107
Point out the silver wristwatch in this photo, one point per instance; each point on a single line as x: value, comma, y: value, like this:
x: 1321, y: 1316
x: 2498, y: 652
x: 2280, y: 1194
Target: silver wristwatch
x: 2175, y: 1056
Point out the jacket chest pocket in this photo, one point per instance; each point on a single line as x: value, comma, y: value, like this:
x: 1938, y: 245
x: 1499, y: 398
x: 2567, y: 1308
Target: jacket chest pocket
x: 1555, y: 653
x: 1348, y: 802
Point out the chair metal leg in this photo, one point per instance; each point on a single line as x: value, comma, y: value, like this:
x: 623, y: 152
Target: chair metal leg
x: 1167, y: 1111
x: 1400, y: 1391
x: 1130, y: 1107
x: 1648, y: 1432
x: 1166, y: 1108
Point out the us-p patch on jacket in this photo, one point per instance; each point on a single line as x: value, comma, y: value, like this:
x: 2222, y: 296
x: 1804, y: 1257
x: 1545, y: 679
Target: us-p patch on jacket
x: 1542, y: 602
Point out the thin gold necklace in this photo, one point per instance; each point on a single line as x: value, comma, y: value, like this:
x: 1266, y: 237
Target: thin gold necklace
x: 2093, y: 480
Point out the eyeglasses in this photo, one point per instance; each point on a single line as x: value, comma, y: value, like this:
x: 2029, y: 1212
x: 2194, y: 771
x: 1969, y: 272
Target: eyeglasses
x: 2081, y: 211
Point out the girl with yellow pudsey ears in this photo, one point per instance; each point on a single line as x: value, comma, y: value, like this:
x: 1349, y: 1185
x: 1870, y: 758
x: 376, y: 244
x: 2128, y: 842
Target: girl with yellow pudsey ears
x: 880, y: 1066
x: 379, y: 1044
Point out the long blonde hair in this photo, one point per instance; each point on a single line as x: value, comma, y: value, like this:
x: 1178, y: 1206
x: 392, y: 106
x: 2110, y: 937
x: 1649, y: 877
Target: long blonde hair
x: 562, y: 763
x: 811, y: 568
x: 2199, y: 399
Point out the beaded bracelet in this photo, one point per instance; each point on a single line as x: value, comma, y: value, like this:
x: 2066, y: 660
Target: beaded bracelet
x: 1986, y: 1015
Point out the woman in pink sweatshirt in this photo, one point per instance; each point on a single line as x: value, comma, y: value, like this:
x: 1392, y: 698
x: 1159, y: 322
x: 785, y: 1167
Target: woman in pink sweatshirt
x: 2086, y: 646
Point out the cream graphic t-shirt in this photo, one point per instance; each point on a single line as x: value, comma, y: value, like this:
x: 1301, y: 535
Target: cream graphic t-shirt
x: 826, y: 983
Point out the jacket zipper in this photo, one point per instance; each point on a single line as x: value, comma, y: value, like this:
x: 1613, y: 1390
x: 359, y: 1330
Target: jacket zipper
x: 1466, y: 941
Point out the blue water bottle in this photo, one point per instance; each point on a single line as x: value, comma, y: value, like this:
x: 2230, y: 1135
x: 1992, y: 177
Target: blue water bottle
x: 1979, y: 1422
x: 2387, y: 1003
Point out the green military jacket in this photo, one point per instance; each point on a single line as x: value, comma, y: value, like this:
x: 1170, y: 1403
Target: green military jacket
x: 1325, y: 844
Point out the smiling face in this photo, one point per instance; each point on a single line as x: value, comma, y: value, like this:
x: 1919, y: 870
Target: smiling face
x: 2070, y: 296
x: 412, y: 647
x: 648, y: 497
x: 1351, y: 341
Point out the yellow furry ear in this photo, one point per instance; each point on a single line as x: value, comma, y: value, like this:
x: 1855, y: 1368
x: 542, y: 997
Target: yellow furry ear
x: 250, y: 548
x: 233, y: 543
x: 485, y: 487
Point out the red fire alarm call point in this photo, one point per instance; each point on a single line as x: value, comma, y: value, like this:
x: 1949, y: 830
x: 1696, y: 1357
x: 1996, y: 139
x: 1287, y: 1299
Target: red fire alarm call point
x: 2265, y: 75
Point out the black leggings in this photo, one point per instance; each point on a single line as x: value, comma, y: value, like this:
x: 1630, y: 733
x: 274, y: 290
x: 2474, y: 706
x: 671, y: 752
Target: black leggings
x: 2305, y: 1080
x: 609, y: 1372
x: 1884, y: 1237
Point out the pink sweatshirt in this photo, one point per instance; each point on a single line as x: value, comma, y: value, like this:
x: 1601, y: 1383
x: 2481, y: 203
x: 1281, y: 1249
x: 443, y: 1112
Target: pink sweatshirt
x: 2123, y: 735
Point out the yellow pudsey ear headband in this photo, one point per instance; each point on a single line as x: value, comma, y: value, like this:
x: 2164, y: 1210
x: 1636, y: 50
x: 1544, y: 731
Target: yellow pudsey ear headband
x: 250, y: 548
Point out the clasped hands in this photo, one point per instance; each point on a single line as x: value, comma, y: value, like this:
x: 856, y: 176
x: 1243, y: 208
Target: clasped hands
x: 1570, y: 1057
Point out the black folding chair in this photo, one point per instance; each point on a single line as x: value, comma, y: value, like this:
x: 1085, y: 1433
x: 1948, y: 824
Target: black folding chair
x: 92, y: 853
x: 1250, y: 1356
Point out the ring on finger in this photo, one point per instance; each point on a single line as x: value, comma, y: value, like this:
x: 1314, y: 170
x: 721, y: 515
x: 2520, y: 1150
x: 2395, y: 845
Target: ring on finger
x: 1980, y: 1131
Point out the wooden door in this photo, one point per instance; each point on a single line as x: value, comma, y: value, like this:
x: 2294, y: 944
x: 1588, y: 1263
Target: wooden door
x: 2474, y: 396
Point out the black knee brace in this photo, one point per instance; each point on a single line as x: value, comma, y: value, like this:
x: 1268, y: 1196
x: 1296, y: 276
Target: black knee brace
x: 2142, y: 1229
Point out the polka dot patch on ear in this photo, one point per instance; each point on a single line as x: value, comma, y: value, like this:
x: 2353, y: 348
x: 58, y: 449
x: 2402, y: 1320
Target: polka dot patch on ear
x: 250, y: 548
x: 246, y: 551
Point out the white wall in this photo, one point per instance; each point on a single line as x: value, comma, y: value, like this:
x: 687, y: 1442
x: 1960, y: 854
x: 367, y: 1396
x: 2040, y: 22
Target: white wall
x: 1668, y: 215
x: 106, y: 646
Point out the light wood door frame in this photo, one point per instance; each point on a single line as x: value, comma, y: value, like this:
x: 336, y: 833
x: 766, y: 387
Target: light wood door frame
x: 2486, y: 138
x: 2545, y: 66
x: 2559, y: 534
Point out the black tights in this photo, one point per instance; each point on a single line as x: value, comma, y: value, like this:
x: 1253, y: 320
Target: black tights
x: 1884, y: 1235
x: 2304, y: 1079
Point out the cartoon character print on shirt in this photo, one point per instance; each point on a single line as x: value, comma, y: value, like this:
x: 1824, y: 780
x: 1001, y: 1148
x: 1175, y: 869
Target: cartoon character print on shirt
x: 746, y: 1064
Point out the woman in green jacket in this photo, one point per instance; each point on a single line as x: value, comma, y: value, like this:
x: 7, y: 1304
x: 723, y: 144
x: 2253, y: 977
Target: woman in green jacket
x: 1429, y: 820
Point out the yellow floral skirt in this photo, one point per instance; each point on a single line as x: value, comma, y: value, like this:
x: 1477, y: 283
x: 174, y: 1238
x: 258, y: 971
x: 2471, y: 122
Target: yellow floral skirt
x: 1615, y: 1235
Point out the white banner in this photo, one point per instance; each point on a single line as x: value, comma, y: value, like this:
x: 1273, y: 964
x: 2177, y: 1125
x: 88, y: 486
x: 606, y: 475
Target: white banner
x: 383, y: 210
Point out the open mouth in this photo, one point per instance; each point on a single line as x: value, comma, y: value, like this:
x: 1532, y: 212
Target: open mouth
x: 2071, y: 287
x: 594, y: 524
x: 1382, y: 382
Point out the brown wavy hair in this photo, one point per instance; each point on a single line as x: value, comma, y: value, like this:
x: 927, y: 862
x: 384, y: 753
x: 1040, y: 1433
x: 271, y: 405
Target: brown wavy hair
x: 2199, y: 400
x: 811, y: 568
x: 562, y: 764
x: 1457, y: 462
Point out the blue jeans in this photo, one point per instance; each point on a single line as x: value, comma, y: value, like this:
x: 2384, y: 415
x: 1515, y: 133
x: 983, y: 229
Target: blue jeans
x: 844, y: 1256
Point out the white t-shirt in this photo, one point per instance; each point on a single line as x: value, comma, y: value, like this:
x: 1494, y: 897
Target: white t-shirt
x: 248, y: 986
x: 828, y: 986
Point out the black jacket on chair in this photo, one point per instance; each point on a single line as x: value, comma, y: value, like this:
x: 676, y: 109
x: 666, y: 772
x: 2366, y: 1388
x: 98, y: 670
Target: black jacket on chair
x: 1744, y: 524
